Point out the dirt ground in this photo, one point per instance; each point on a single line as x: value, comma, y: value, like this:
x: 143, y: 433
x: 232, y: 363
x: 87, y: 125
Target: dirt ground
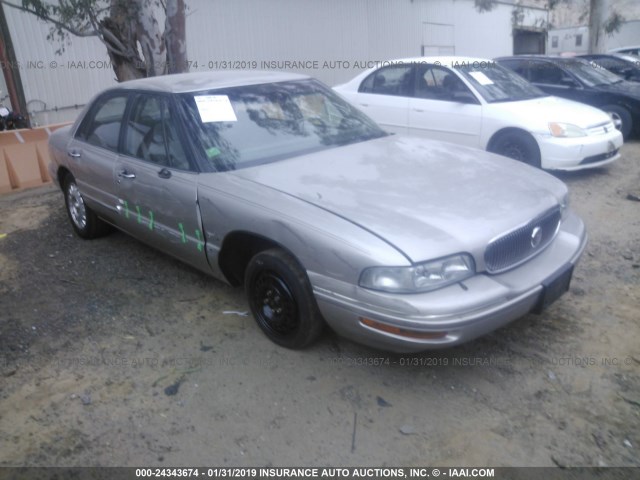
x: 113, y: 354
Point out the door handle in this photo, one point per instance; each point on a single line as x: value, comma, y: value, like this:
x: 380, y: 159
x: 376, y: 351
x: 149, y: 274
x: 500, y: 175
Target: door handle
x: 364, y: 104
x: 74, y: 154
x: 418, y: 110
x: 125, y: 174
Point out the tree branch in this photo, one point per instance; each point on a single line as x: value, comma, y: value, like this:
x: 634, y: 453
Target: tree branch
x: 57, y: 23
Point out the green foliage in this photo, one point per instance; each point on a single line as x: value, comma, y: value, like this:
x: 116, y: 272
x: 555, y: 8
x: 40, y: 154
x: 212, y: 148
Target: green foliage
x: 484, y: 5
x: 68, y: 17
x: 612, y: 24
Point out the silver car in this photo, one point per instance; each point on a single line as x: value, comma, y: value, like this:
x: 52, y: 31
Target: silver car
x: 272, y: 181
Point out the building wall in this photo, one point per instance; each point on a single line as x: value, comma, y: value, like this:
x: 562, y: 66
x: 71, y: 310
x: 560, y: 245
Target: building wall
x: 330, y: 39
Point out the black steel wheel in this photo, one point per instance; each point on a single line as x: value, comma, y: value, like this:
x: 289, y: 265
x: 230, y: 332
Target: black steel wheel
x: 281, y: 299
x: 519, y: 146
x: 621, y: 117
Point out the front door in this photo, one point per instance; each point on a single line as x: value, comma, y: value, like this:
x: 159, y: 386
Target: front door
x: 156, y: 184
x: 443, y: 108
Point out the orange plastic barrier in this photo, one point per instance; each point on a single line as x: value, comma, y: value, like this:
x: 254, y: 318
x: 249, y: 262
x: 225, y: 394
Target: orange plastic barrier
x: 24, y: 158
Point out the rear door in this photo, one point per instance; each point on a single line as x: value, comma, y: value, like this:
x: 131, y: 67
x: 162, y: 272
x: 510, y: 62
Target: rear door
x: 92, y: 152
x: 156, y: 183
x: 443, y: 108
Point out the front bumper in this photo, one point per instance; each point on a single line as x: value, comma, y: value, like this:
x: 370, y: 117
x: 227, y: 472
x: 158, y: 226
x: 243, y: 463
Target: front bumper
x: 581, y: 152
x: 451, y: 315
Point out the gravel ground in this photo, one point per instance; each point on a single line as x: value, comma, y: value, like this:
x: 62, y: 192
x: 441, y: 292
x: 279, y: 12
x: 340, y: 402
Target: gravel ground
x: 114, y: 354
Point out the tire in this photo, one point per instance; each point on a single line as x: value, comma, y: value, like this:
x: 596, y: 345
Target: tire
x: 621, y: 119
x: 83, y: 220
x: 281, y: 299
x: 518, y: 146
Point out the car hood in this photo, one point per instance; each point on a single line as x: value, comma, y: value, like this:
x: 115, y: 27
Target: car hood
x: 426, y: 198
x: 541, y: 111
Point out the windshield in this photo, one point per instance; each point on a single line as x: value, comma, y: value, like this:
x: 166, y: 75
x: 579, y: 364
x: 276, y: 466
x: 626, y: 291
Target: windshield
x: 250, y: 125
x: 496, y: 83
x: 591, y: 75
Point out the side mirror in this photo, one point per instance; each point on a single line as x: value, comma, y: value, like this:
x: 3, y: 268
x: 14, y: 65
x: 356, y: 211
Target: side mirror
x: 627, y: 73
x: 463, y: 96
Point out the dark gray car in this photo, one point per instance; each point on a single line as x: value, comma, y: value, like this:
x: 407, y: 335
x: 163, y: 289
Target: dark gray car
x: 578, y: 80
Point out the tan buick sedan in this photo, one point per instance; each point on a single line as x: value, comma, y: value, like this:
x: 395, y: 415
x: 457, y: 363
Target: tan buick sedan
x: 272, y: 181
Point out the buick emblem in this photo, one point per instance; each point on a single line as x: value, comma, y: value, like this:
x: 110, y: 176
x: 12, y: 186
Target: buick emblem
x: 536, y: 237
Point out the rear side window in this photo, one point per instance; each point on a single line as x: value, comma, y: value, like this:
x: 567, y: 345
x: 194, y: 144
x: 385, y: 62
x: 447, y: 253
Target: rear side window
x: 101, y: 126
x: 516, y: 66
x: 395, y: 80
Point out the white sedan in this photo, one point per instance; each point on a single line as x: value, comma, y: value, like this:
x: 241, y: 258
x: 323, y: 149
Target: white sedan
x: 478, y: 103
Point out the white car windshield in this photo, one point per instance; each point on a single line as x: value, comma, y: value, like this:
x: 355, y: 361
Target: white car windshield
x: 255, y: 124
x: 496, y: 83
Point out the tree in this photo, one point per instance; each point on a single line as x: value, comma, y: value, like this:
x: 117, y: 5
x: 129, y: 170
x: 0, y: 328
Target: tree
x: 129, y: 29
x: 600, y: 24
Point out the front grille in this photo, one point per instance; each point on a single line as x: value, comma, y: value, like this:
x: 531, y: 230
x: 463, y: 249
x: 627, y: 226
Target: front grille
x: 522, y: 243
x: 599, y: 158
x: 601, y: 128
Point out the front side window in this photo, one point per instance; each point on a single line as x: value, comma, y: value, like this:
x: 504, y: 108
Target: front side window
x: 151, y: 134
x: 438, y: 83
x: 101, y: 126
x: 394, y: 80
x: 254, y: 124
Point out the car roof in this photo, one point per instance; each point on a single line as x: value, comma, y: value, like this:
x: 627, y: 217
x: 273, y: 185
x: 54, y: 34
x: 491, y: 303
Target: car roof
x: 194, y: 82
x: 445, y: 61
x: 621, y: 49
x: 563, y: 60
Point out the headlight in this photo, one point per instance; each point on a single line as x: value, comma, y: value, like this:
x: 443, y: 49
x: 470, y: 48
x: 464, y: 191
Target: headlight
x: 566, y: 130
x: 421, y: 277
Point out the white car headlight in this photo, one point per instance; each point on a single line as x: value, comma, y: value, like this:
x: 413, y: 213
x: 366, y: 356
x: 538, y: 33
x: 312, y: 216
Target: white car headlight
x: 566, y: 130
x: 421, y: 277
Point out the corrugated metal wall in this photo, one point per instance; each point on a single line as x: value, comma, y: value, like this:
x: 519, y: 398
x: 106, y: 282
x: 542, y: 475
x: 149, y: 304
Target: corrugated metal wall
x: 334, y: 39
x: 53, y: 81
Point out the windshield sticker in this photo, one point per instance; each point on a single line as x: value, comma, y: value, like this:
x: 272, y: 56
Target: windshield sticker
x: 215, y: 108
x: 213, y: 152
x: 481, y: 78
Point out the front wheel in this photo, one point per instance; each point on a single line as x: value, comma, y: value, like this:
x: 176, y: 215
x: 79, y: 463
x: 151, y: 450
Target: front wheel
x: 83, y: 220
x: 621, y: 119
x: 281, y: 299
x: 518, y: 146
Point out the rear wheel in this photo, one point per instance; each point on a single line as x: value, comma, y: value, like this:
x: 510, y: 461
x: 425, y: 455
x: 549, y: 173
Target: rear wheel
x: 519, y: 146
x: 621, y: 119
x: 281, y: 299
x: 83, y: 220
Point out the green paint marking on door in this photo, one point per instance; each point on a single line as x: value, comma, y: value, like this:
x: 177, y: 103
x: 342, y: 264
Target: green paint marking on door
x: 184, y: 237
x: 126, y: 209
x: 150, y: 220
x: 200, y: 243
x: 139, y: 214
